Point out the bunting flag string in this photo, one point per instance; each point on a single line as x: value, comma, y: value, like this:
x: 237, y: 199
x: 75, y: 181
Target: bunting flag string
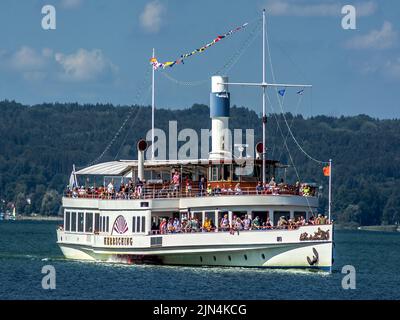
x: 156, y: 64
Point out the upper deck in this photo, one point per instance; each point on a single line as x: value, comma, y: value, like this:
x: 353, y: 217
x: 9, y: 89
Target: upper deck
x: 178, y: 200
x: 186, y: 181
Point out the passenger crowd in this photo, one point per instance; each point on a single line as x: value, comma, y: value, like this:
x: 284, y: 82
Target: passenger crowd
x: 178, y: 187
x: 194, y: 224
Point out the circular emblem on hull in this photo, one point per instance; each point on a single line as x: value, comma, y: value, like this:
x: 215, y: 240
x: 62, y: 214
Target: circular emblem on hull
x: 120, y: 225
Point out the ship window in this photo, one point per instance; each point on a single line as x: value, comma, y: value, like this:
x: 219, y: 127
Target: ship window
x: 80, y: 221
x: 73, y: 222
x: 108, y: 224
x: 278, y: 214
x: 245, y: 257
x: 143, y: 223
x: 104, y: 224
x: 263, y: 256
x: 89, y: 222
x: 201, y: 259
x: 133, y: 224
x: 215, y: 258
x: 298, y: 214
x: 97, y: 222
x: 67, y: 222
x: 230, y: 258
x: 101, y: 224
x: 156, y: 241
x: 214, y: 173
x: 138, y: 224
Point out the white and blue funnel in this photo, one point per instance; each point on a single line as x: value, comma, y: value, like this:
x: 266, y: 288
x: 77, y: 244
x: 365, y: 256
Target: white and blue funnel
x: 219, y: 113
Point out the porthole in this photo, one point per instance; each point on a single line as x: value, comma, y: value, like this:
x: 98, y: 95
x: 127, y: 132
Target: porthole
x: 263, y: 256
x: 245, y: 257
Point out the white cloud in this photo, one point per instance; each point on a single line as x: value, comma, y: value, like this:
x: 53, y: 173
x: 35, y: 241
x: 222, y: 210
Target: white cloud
x: 378, y: 66
x: 377, y: 39
x: 40, y: 64
x: 323, y: 9
x: 47, y: 52
x: 27, y: 59
x: 71, y: 4
x: 85, y: 65
x: 151, y: 17
x: 29, y: 63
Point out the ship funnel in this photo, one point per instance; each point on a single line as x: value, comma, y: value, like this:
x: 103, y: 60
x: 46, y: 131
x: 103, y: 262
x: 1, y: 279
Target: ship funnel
x: 219, y: 114
x: 141, y: 147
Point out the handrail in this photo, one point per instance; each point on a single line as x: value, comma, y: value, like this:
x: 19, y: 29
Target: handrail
x: 177, y: 192
x: 232, y: 230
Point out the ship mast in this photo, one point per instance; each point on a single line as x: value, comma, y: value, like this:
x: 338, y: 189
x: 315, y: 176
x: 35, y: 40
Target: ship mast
x: 153, y: 107
x: 264, y: 85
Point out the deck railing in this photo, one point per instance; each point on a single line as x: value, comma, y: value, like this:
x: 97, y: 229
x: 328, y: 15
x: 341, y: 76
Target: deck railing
x: 153, y: 192
x: 234, y: 230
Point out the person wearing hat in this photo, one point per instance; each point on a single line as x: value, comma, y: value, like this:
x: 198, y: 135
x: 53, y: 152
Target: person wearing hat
x: 282, y: 223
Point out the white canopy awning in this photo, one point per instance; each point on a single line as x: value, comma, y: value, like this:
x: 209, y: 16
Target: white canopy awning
x: 112, y: 168
x: 124, y: 167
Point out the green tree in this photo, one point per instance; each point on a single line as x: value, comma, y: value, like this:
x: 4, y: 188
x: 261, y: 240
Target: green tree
x: 352, y: 213
x: 391, y: 212
x: 50, y: 203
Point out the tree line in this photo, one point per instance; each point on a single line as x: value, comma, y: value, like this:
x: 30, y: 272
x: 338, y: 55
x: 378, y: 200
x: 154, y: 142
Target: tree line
x: 40, y: 143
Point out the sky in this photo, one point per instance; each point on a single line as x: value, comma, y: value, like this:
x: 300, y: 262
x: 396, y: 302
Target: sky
x: 99, y: 53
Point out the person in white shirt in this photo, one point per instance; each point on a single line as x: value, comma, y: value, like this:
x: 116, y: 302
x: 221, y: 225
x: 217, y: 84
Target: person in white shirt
x: 246, y: 223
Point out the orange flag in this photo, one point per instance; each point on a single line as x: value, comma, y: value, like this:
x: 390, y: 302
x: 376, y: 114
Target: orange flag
x: 327, y: 171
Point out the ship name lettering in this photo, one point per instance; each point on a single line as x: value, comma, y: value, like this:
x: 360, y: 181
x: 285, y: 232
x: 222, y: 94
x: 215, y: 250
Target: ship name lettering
x: 118, y: 241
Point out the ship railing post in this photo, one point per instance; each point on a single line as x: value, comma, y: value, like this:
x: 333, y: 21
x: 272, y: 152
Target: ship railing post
x: 330, y: 190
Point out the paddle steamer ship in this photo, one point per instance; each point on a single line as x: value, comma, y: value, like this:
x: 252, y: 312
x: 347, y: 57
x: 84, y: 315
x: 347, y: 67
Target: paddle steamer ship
x: 105, y: 226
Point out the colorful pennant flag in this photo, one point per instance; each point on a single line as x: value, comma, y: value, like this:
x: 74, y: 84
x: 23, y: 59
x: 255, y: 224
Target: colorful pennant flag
x: 282, y: 92
x: 300, y: 92
x: 156, y: 65
x: 327, y: 171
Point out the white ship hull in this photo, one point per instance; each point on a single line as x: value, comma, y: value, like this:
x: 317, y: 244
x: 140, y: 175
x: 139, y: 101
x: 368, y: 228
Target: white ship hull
x: 264, y: 248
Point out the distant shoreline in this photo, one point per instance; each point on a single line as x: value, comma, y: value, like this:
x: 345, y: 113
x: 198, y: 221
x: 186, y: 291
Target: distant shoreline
x: 39, y: 218
x: 379, y: 228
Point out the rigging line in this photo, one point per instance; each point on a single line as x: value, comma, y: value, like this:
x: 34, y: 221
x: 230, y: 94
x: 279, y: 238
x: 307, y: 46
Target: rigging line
x: 183, y: 83
x: 132, y: 123
x: 296, y: 65
x: 139, y: 93
x: 281, y: 132
x: 273, y: 150
x: 242, y: 49
x: 291, y: 123
x: 231, y: 62
x: 287, y: 148
x: 283, y: 114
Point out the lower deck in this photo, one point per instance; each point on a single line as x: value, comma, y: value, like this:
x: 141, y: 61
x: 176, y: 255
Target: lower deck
x: 307, y: 246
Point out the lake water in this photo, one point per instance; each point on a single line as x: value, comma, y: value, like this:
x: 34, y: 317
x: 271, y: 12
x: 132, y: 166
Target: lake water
x: 25, y: 247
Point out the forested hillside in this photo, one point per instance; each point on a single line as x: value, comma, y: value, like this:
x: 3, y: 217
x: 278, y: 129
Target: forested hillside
x: 40, y: 143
